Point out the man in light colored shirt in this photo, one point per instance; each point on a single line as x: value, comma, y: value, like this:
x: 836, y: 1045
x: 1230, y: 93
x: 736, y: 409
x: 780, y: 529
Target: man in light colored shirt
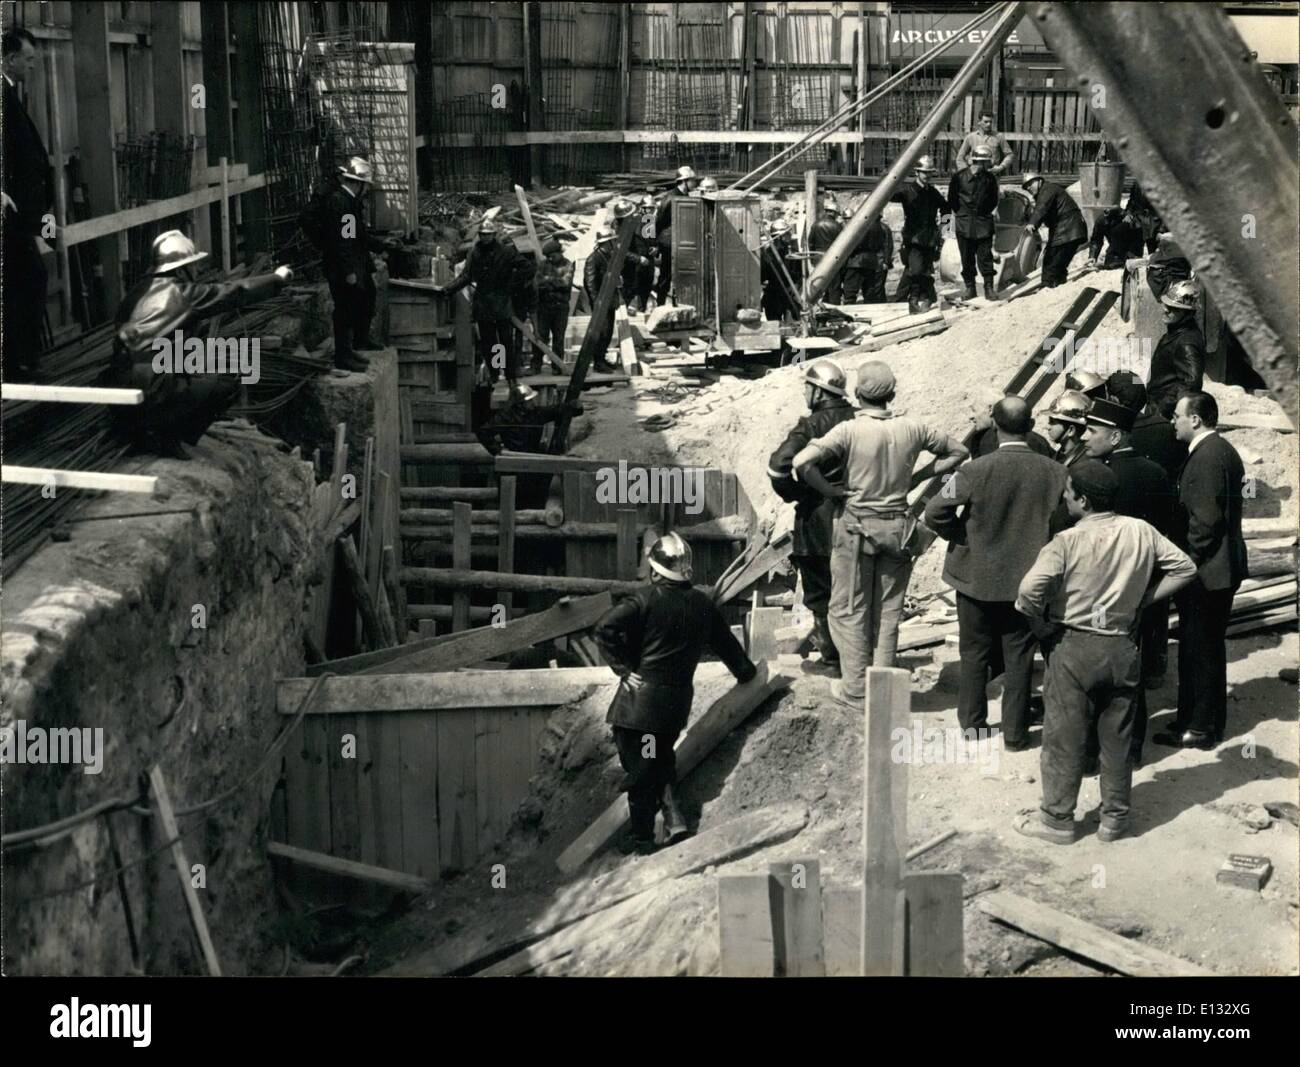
x: 1091, y: 582
x: 871, y: 560
x: 985, y: 137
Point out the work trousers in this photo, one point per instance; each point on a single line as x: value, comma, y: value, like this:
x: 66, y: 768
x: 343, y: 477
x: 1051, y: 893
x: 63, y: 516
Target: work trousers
x: 866, y: 606
x: 917, y: 281
x: 869, y: 283
x: 354, y: 307
x: 552, y: 322
x: 988, y: 630
x: 24, y: 305
x: 194, y: 403
x: 494, y: 331
x: 1091, y: 684
x: 646, y: 777
x: 976, y: 251
x: 638, y: 282
x: 815, y: 573
x: 1203, y: 659
x: 665, y: 272
x: 1155, y: 639
x: 1056, y: 262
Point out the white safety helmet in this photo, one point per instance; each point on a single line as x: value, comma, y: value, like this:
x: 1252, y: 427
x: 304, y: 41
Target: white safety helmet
x: 685, y: 174
x: 173, y: 250
x: 358, y: 169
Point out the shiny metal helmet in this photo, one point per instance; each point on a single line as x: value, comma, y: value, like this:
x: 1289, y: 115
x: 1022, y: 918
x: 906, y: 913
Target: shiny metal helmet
x: 648, y: 201
x: 1085, y: 382
x: 685, y: 174
x: 708, y: 185
x: 1182, y: 294
x: 522, y: 392
x: 490, y: 226
x: 983, y: 152
x: 779, y: 227
x: 358, y: 169
x: 173, y: 250
x: 605, y: 233
x: 670, y: 556
x: 826, y: 374
x: 1071, y: 406
x: 1029, y: 178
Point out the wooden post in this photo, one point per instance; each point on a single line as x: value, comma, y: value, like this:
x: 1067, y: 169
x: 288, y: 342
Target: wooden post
x: 249, y: 122
x: 60, y: 186
x: 884, y: 823
x: 798, y: 920
x: 935, y: 940
x: 218, y: 124
x: 465, y: 368
x: 746, y: 933
x: 171, y: 94
x: 95, y: 133
x: 377, y: 636
x: 536, y: 89
x: 506, y: 537
x: 225, y: 216
x: 460, y: 559
x: 864, y: 83
x: 527, y: 213
x: 628, y: 547
x: 171, y: 832
x: 809, y: 218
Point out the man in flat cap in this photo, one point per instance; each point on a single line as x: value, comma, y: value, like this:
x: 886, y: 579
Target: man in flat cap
x: 871, y: 547
x: 1083, y: 596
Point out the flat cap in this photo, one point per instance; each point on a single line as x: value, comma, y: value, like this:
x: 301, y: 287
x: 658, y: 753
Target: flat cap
x: 875, y: 380
x: 1095, y: 480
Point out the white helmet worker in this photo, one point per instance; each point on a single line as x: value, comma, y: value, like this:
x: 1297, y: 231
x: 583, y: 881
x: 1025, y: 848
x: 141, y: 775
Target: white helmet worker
x: 1182, y: 294
x: 826, y: 374
x: 358, y: 169
x: 708, y: 185
x: 670, y: 557
x: 685, y: 174
x: 173, y: 250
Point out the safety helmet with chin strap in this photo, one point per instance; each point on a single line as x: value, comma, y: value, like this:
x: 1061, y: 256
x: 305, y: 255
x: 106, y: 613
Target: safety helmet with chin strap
x: 358, y: 170
x: 826, y: 374
x: 1182, y: 295
x: 670, y: 557
x: 173, y: 250
x: 1086, y: 382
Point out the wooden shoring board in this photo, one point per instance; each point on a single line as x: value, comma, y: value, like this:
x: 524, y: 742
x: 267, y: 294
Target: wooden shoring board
x: 797, y: 922
x: 349, y: 868
x: 171, y: 832
x: 884, y: 812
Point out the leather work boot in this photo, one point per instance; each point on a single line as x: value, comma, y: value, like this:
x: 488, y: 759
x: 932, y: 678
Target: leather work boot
x: 989, y: 292
x: 352, y: 363
x: 675, y: 827
x: 824, y: 643
x: 970, y: 291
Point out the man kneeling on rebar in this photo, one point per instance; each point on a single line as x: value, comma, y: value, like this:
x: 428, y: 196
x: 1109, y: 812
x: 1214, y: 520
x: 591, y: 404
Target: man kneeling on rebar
x: 653, y: 640
x: 178, y: 407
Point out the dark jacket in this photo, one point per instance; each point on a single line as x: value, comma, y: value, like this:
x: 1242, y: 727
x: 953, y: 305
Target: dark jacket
x: 973, y: 198
x: 1153, y: 436
x: 554, y: 284
x: 1208, y: 518
x: 492, y: 270
x: 814, y: 514
x: 875, y: 252
x: 523, y: 285
x: 1144, y: 211
x: 1145, y: 491
x: 823, y: 233
x: 518, y: 427
x: 995, y: 513
x: 987, y: 443
x: 27, y: 177
x: 1125, y: 238
x: 660, y: 633
x: 595, y: 269
x: 922, y: 206
x: 664, y: 219
x: 1056, y: 209
x: 1177, y: 365
x: 332, y: 212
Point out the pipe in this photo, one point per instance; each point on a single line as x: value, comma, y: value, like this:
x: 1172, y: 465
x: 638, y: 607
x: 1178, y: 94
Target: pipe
x: 857, y: 227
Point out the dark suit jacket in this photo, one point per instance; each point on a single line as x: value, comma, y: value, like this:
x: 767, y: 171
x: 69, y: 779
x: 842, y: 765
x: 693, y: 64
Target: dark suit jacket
x: 1153, y: 436
x: 1008, y: 498
x: 987, y: 443
x: 1056, y: 209
x: 1209, y: 514
x: 973, y: 198
x: 26, y: 166
x: 1145, y: 491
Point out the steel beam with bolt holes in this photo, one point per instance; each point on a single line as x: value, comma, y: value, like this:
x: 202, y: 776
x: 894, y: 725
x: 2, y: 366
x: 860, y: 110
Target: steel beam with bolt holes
x: 1214, y: 149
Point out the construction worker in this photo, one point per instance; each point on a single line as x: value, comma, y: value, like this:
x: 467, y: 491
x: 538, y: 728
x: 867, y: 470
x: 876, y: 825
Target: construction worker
x: 686, y: 182
x: 1121, y: 233
x: 814, y: 514
x: 707, y: 185
x: 1066, y: 419
x: 985, y: 137
x: 868, y: 266
x: 554, y: 286
x: 649, y: 207
x: 872, y: 548
x: 973, y: 197
x: 523, y: 301
x: 519, y: 427
x: 490, y: 265
x: 335, y: 223
x: 922, y: 238
x: 639, y: 269
x: 653, y: 640
x: 779, y: 299
x: 1083, y: 596
x: 821, y: 236
x: 178, y: 407
x: 1148, y: 219
x: 1178, y: 363
x: 1066, y: 230
x: 593, y: 277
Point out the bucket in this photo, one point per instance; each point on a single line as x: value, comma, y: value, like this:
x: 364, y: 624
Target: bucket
x: 1100, y: 186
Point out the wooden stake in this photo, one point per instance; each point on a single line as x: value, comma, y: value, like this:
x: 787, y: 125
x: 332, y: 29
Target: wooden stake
x: 628, y: 546
x: 167, y: 820
x: 461, y: 561
x: 371, y: 626
x: 506, y: 537
x: 884, y: 809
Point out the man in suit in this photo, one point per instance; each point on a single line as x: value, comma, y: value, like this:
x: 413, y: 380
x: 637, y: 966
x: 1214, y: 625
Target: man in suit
x: 1209, y: 530
x: 814, y: 515
x: 1178, y: 363
x: 28, y: 196
x: 994, y: 512
x: 1066, y: 230
x: 987, y: 440
x: 921, y: 237
x: 973, y: 198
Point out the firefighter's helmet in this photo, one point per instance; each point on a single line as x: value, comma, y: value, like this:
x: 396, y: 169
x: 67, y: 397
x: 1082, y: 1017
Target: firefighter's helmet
x: 685, y: 174
x: 1071, y: 406
x: 173, y: 250
x: 1182, y: 294
x: 1086, y: 382
x: 826, y: 374
x: 358, y: 169
x: 670, y: 556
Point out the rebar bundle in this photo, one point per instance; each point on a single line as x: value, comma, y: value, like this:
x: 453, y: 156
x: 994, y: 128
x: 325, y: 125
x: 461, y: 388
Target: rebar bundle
x: 154, y: 167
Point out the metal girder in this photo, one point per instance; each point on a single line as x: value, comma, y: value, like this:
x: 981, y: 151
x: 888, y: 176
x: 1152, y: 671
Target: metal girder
x: 1214, y: 149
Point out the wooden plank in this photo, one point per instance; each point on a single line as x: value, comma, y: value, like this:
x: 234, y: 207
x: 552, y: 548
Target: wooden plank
x: 171, y: 832
x: 516, y: 757
x: 557, y: 361
x: 383, y: 778
x: 457, y: 795
x: 1084, y: 939
x: 797, y: 920
x: 367, y: 828
x: 747, y: 931
x: 376, y: 637
x: 489, y: 794
x: 519, y: 583
x: 362, y: 693
x: 506, y: 538
x: 70, y: 394
x: 530, y: 463
x: 418, y: 761
x: 345, y: 784
x: 628, y: 545
x: 117, y: 483
x: 762, y: 624
x: 527, y: 214
x: 935, y: 942
x: 884, y: 808
x: 461, y: 560
x: 701, y: 738
x: 365, y: 872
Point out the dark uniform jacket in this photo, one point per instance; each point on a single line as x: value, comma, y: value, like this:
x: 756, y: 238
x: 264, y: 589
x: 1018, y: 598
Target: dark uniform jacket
x: 664, y: 219
x: 1066, y: 457
x: 492, y: 270
x: 518, y: 427
x: 1208, y: 518
x: 523, y: 287
x: 1153, y: 436
x: 323, y: 221
x: 1145, y: 491
x: 987, y: 443
x: 1125, y: 238
x: 814, y: 514
x: 996, y: 517
x: 660, y: 632
x: 823, y: 233
x: 595, y: 269
x: 1056, y: 209
x: 875, y: 252
x: 922, y: 206
x: 1178, y: 364
x: 27, y: 177
x: 973, y: 198
x: 554, y: 284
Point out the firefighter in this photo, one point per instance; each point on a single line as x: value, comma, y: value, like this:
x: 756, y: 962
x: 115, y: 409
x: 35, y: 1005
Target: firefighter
x: 490, y: 265
x: 335, y: 223
x: 519, y: 427
x: 778, y: 299
x: 593, y: 276
x: 922, y: 206
x: 686, y: 183
x: 1120, y: 232
x: 649, y: 207
x: 973, y: 198
x: 554, y: 285
x: 639, y: 267
x: 1066, y: 419
x: 707, y: 185
x: 820, y: 237
x: 178, y: 408
x: 814, y: 514
x: 1178, y: 363
x: 1066, y: 230
x: 653, y: 640
x: 1089, y: 383
x: 866, y: 269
